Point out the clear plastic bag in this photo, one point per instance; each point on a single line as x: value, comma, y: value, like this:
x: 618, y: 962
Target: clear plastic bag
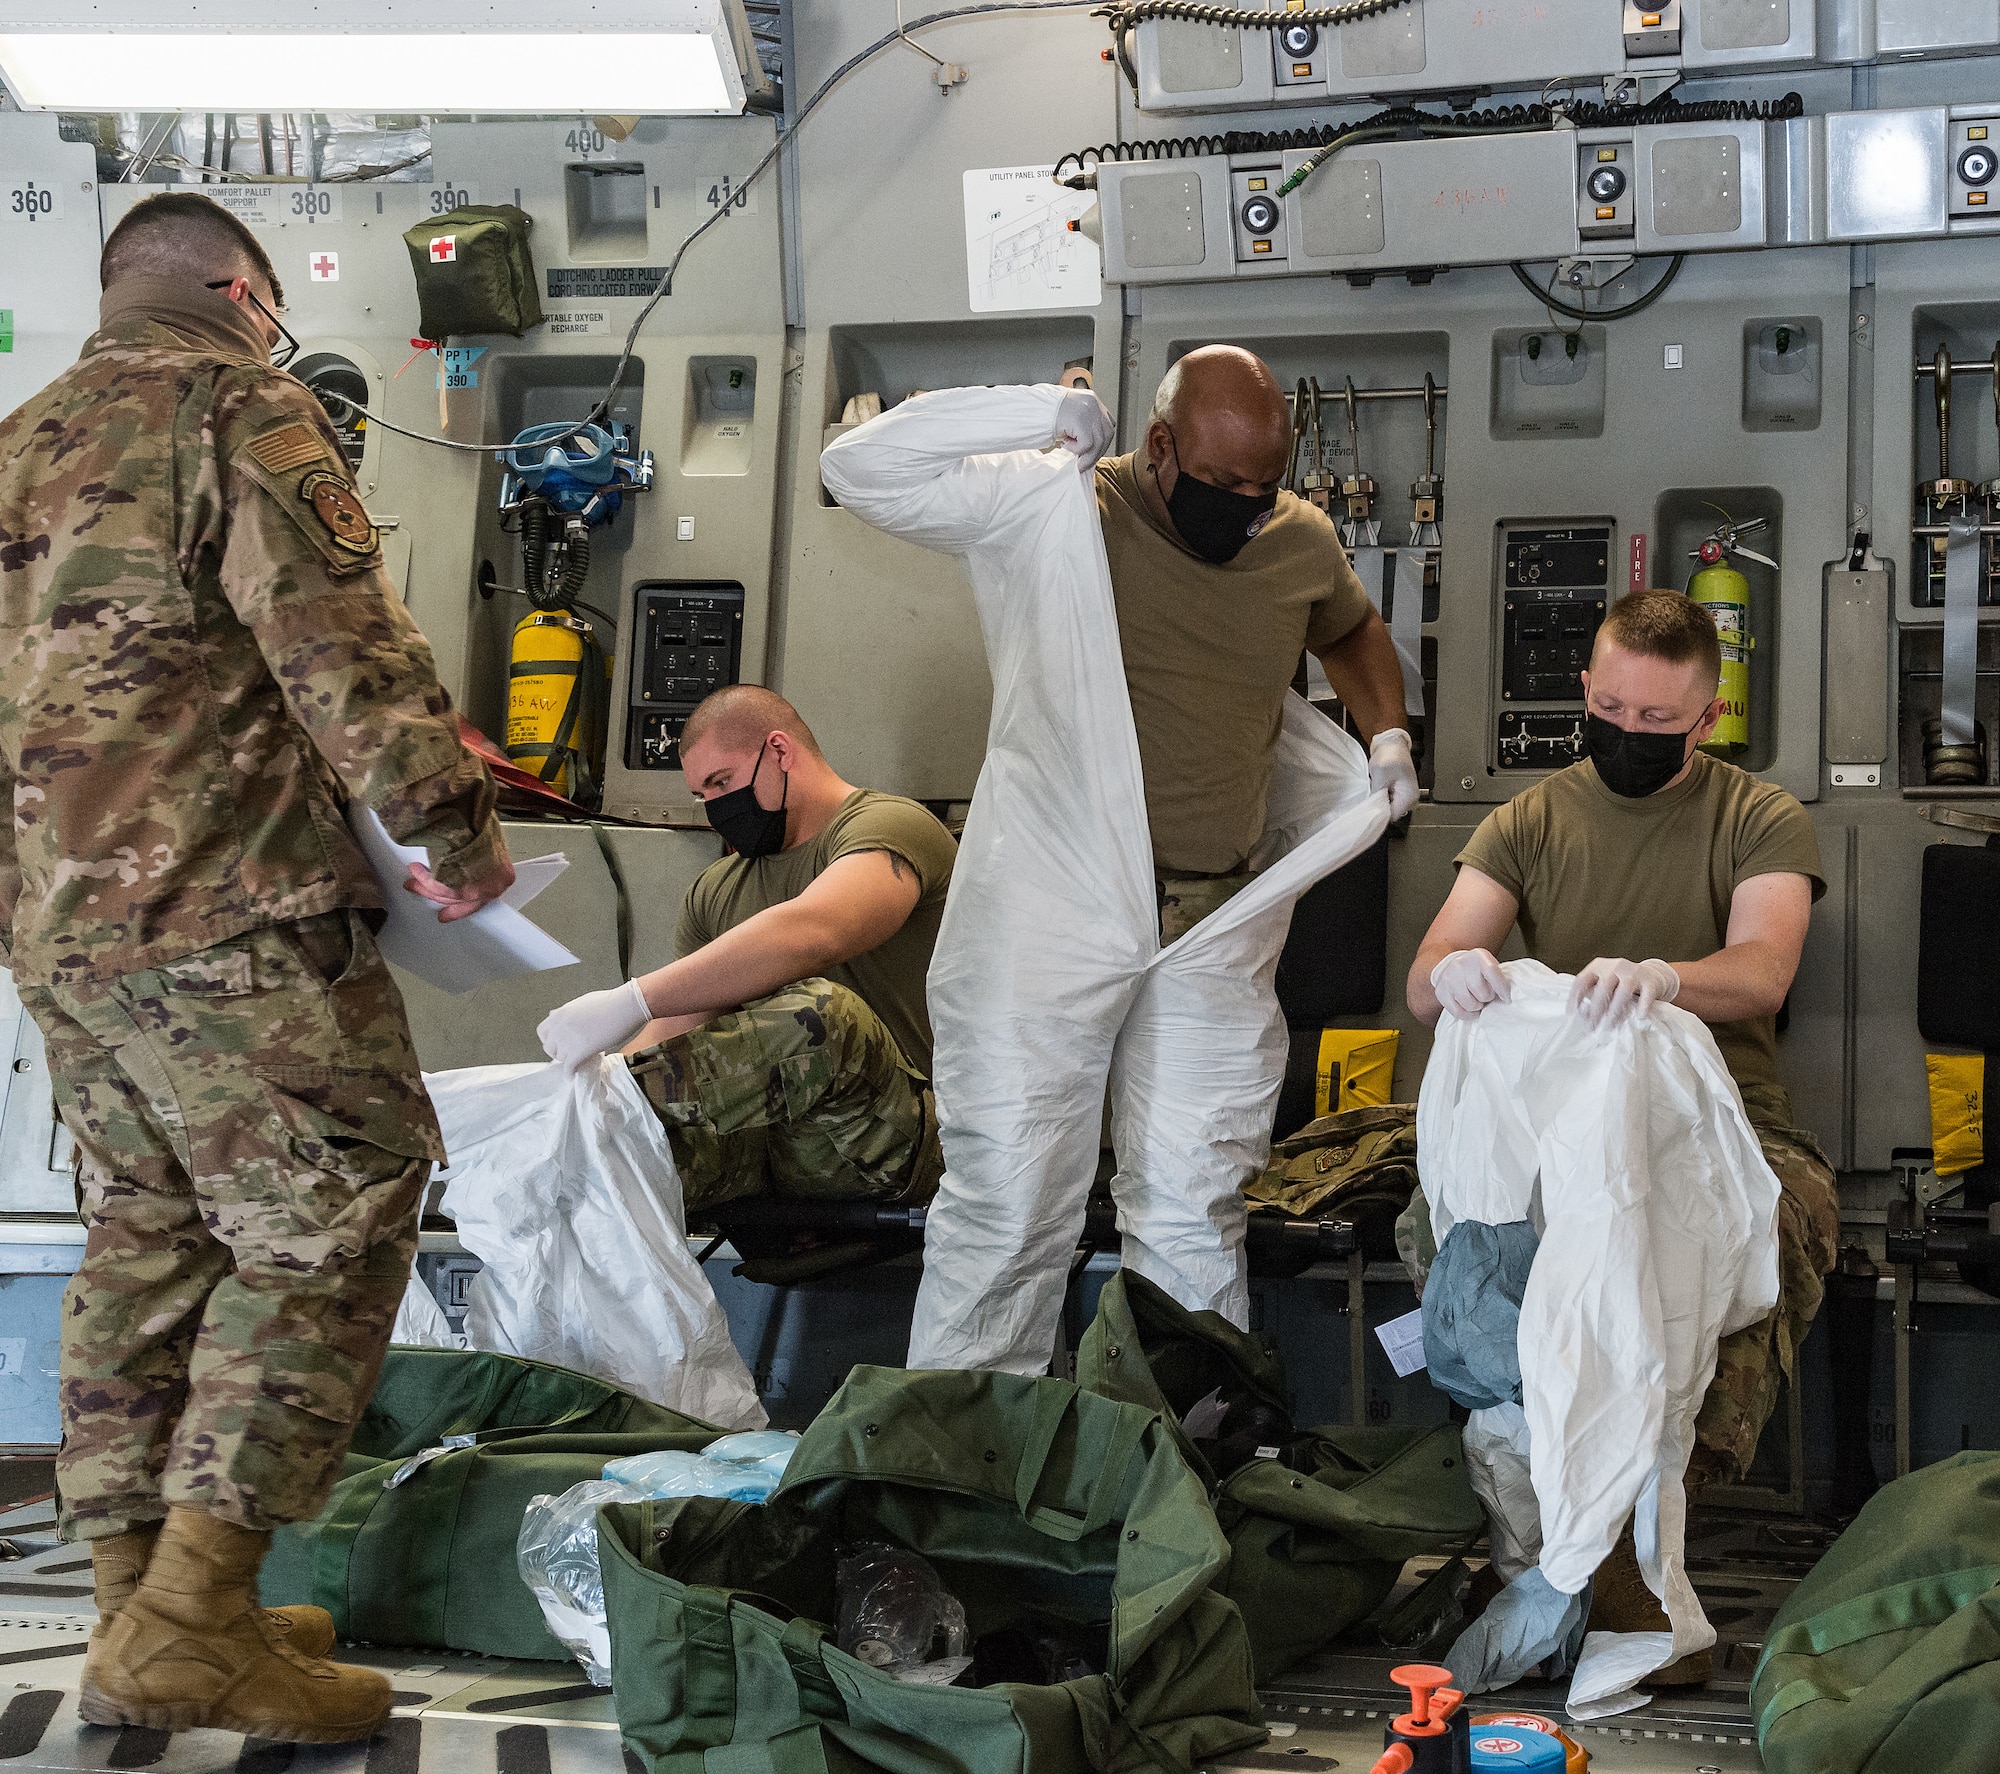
x: 746, y: 1474
x: 557, y: 1548
x: 896, y: 1615
x: 770, y: 1448
x: 557, y: 1557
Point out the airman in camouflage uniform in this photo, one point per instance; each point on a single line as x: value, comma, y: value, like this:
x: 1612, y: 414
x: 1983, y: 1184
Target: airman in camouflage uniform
x: 205, y: 664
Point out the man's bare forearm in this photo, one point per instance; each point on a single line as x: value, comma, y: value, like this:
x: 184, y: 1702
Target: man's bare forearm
x: 1744, y: 980
x: 1367, y: 676
x: 751, y: 961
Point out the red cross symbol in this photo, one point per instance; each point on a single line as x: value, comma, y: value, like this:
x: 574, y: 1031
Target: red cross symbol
x: 444, y: 248
x: 325, y: 268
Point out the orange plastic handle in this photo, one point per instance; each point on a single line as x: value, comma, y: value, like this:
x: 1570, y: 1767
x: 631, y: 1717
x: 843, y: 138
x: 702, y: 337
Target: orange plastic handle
x: 1396, y: 1759
x: 1423, y: 1680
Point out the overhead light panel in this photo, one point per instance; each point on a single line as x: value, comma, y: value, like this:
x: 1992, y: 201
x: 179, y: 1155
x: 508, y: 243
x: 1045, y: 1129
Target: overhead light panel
x: 671, y: 57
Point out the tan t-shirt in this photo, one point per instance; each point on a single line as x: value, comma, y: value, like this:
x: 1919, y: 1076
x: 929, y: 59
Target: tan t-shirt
x: 1652, y: 877
x: 888, y: 978
x: 1209, y: 653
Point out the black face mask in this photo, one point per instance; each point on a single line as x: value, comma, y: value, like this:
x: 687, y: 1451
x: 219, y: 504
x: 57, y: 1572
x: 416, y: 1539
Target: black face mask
x: 1213, y: 522
x: 746, y: 827
x: 1633, y: 764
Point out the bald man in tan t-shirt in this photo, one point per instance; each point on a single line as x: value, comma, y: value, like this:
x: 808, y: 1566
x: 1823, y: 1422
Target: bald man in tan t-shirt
x: 1221, y: 580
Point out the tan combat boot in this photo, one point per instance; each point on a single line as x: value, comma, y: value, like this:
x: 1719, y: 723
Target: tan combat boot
x: 118, y: 1561
x: 192, y: 1649
x: 1621, y: 1602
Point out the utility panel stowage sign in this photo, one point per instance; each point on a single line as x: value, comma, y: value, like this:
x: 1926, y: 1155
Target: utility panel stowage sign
x: 1020, y: 251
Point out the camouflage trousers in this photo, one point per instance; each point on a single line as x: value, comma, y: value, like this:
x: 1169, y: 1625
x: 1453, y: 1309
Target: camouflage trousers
x: 1187, y: 899
x: 254, y: 1140
x: 805, y: 1093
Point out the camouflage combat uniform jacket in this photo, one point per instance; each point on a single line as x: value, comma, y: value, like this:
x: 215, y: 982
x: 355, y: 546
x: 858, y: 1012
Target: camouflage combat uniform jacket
x: 201, y: 658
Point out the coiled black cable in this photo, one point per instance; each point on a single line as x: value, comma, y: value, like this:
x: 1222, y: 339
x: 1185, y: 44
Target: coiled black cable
x: 1494, y: 120
x: 1124, y: 14
x: 1669, y: 109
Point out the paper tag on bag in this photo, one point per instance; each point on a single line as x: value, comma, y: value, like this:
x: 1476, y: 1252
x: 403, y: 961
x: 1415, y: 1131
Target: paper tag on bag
x: 1402, y: 1341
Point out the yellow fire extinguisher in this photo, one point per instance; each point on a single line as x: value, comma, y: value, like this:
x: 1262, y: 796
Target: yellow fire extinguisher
x: 1725, y: 594
x: 556, y: 693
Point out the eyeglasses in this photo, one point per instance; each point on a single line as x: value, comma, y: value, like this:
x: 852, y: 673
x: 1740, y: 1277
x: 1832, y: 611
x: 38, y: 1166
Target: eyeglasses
x: 284, y: 352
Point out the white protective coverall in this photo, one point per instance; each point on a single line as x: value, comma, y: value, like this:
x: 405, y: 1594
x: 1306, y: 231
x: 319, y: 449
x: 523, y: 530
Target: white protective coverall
x: 1048, y: 981
x: 1631, y: 1154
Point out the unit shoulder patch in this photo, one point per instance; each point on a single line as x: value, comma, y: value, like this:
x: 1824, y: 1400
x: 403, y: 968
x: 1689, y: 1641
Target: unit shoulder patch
x: 340, y: 511
x: 289, y: 446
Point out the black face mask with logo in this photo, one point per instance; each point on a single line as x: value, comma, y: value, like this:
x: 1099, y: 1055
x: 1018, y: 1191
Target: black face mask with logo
x: 1633, y: 764
x: 1213, y: 521
x: 746, y: 827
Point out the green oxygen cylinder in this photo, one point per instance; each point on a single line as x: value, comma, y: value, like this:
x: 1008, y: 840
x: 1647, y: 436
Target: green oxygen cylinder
x: 1725, y: 594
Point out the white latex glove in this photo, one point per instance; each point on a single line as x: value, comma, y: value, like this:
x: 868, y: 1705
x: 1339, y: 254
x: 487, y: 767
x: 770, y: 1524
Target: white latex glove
x: 1610, y: 990
x: 1467, y: 980
x: 1391, y: 767
x: 575, y: 1033
x: 1084, y: 427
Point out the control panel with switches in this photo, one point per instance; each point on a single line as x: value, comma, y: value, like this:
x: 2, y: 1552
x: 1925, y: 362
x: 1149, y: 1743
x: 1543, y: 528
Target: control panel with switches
x: 1554, y: 581
x: 1551, y: 741
x: 1548, y: 645
x: 690, y: 644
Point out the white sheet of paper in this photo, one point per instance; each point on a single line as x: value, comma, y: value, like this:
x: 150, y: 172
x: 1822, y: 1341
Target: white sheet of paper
x: 531, y: 875
x: 1402, y: 1340
x: 496, y: 942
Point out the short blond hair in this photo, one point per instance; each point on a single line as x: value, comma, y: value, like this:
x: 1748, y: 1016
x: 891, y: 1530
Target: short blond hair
x: 1665, y: 625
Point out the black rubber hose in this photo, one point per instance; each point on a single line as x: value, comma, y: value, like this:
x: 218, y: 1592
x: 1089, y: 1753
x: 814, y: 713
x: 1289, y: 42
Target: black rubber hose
x: 576, y: 564
x: 534, y: 546
x: 1550, y: 301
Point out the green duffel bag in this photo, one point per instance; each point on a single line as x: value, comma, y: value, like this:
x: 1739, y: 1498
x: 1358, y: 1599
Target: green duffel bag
x: 1887, y: 1657
x: 416, y: 1544
x: 475, y: 272
x: 1044, y: 1509
x: 1318, y: 1535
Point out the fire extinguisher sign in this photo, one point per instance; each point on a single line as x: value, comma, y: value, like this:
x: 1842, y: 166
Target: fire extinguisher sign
x: 1637, y: 581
